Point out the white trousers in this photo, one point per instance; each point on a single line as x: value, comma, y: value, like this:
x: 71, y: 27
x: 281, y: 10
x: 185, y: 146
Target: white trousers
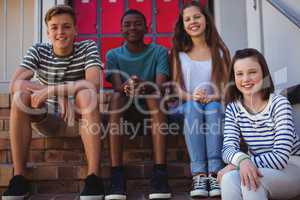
x: 275, y: 184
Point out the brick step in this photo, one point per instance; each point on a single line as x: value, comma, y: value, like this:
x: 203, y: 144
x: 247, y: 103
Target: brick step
x: 68, y: 177
x: 57, y: 156
x: 67, y: 143
x: 5, y: 99
x: 71, y: 149
x: 133, y: 186
x: 78, y: 170
x: 137, y: 190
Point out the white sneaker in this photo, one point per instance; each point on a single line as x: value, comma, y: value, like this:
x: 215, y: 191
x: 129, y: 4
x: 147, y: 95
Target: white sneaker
x: 214, y: 187
x: 199, y: 187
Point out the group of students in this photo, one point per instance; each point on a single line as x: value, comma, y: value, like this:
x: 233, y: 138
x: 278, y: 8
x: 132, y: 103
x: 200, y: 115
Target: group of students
x: 202, y: 77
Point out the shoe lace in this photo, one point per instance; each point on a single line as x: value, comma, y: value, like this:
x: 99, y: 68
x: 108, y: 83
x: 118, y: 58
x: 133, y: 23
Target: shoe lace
x: 213, y: 183
x: 200, y: 181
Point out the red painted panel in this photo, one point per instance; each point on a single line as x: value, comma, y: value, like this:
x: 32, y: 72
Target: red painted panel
x: 106, y: 45
x: 86, y: 13
x: 165, y: 41
x: 144, y: 6
x: 167, y: 12
x: 147, y: 40
x: 202, y: 2
x: 111, y: 14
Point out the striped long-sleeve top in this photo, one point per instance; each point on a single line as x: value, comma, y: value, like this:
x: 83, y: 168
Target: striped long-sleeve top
x: 270, y: 134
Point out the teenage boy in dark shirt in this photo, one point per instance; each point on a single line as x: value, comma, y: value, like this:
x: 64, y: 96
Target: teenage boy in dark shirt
x: 132, y: 68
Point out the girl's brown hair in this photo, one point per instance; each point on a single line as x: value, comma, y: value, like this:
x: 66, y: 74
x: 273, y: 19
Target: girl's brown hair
x: 232, y: 92
x: 182, y: 42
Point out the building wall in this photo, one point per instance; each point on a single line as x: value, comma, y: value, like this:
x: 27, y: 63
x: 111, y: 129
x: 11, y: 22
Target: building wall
x: 231, y: 21
x: 281, y: 39
x: 259, y: 25
x: 16, y: 35
x: 21, y: 25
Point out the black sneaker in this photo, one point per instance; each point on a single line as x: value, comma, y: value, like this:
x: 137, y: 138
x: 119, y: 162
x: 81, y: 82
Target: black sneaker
x: 214, y: 187
x: 18, y: 189
x: 118, y: 185
x: 93, y: 188
x: 199, y: 187
x: 159, y: 183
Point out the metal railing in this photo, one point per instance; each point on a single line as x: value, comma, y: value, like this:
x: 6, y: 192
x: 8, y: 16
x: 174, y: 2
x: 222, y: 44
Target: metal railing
x: 284, y: 11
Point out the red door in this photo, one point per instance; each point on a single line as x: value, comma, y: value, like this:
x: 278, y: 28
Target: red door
x: 86, y: 13
x: 111, y: 14
x: 144, y: 6
x: 166, y: 15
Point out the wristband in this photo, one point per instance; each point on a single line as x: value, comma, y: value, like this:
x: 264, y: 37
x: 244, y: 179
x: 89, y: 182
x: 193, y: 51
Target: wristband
x: 240, y: 161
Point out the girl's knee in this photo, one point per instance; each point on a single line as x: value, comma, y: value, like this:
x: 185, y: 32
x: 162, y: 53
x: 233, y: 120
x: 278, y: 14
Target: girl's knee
x: 230, y: 179
x: 193, y: 107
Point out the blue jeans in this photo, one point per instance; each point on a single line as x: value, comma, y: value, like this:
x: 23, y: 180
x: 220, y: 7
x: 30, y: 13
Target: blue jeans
x: 203, y: 134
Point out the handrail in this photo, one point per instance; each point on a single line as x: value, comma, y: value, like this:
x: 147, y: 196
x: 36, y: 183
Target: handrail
x: 282, y: 9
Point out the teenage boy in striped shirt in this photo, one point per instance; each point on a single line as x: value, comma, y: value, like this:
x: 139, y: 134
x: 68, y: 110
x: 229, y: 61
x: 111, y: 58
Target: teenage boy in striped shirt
x: 62, y: 69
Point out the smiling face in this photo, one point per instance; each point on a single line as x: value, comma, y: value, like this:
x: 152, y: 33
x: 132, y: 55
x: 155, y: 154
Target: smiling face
x: 61, y: 32
x: 248, y: 76
x: 133, y: 28
x: 194, y: 21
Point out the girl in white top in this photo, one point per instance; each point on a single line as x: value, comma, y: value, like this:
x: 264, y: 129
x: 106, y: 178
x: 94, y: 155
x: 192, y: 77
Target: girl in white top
x: 199, y: 68
x: 263, y: 120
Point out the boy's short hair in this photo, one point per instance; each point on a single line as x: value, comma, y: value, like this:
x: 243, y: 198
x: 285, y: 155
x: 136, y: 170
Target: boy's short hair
x: 134, y: 12
x: 58, y: 10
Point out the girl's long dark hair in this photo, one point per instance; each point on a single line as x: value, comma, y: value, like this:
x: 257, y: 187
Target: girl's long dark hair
x: 182, y: 42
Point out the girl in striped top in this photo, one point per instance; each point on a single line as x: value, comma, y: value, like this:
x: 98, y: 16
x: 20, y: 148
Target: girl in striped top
x: 264, y: 122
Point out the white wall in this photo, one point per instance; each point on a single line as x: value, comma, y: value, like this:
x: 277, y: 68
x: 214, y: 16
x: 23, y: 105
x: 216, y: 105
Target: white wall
x: 266, y: 29
x: 45, y: 6
x: 16, y: 35
x: 230, y: 16
x: 281, y: 40
x: 254, y: 24
x: 20, y: 25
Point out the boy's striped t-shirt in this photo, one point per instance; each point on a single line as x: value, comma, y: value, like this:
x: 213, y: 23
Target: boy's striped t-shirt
x: 270, y: 135
x: 50, y: 69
